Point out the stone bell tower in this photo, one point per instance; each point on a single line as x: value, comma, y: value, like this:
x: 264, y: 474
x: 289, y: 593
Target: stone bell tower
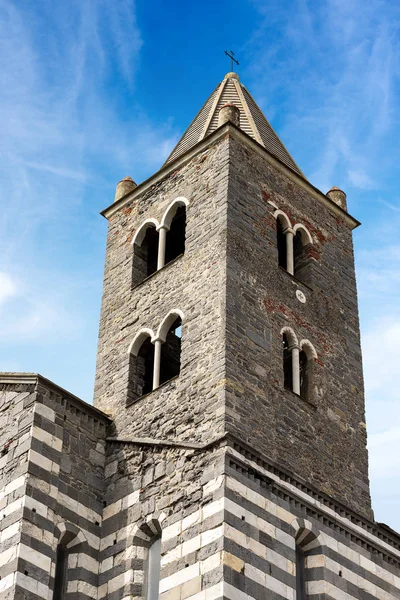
x: 229, y: 361
x: 232, y: 243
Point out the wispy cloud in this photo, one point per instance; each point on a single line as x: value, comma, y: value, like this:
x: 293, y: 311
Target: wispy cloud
x: 8, y: 287
x: 336, y: 87
x: 72, y: 127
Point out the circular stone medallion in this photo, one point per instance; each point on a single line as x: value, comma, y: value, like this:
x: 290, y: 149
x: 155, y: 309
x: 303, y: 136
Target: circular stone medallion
x: 300, y: 296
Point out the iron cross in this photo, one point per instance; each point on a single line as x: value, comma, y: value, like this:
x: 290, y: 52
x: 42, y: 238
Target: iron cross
x: 232, y: 57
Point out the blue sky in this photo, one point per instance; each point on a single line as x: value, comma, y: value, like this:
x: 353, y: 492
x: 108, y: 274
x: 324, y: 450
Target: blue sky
x: 94, y: 90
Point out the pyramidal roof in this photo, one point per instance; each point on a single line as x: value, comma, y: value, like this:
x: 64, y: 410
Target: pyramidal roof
x: 252, y: 122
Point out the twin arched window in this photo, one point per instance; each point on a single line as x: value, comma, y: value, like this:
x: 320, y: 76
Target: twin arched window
x: 298, y: 364
x: 157, y: 244
x: 155, y: 359
x: 293, y: 247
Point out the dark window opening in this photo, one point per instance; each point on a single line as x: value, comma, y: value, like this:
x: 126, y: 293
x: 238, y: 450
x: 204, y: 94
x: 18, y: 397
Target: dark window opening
x: 171, y: 352
x: 60, y: 579
x: 287, y: 364
x: 175, y: 242
x: 141, y: 372
x: 300, y: 574
x: 145, y: 257
x: 304, y: 375
x: 281, y: 244
x: 302, y: 258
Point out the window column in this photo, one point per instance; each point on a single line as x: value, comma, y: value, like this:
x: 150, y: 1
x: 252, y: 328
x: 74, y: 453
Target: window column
x: 162, y: 240
x: 157, y: 363
x: 296, y: 369
x: 289, y: 234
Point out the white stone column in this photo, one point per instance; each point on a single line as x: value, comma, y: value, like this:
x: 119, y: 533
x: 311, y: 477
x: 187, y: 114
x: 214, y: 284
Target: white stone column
x: 289, y: 233
x: 296, y: 369
x: 157, y: 363
x: 162, y: 240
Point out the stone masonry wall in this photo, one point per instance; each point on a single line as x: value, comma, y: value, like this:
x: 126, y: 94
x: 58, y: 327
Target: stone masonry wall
x: 323, y: 442
x: 172, y: 491
x: 194, y: 283
x: 51, y: 482
x: 229, y: 524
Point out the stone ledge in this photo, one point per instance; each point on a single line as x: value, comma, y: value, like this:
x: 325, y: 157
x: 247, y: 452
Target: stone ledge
x: 35, y: 380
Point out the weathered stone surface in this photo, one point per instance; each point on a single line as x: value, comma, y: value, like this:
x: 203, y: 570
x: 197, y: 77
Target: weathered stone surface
x: 235, y: 301
x: 261, y: 298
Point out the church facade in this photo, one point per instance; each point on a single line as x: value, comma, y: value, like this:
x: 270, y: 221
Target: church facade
x: 225, y: 454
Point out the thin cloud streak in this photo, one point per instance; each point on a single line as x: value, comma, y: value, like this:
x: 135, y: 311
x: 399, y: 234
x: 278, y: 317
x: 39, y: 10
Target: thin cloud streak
x: 339, y: 93
x: 69, y: 135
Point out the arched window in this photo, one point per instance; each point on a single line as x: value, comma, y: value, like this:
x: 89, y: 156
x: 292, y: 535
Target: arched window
x: 290, y: 356
x: 307, y: 544
x: 153, y: 568
x: 306, y: 367
x: 155, y: 359
x: 70, y: 539
x: 300, y: 574
x: 141, y: 366
x: 60, y: 579
x: 287, y: 363
x: 304, y: 375
x: 301, y: 254
x: 171, y: 352
x: 147, y: 536
x: 175, y: 242
x: 283, y: 228
x: 145, y: 252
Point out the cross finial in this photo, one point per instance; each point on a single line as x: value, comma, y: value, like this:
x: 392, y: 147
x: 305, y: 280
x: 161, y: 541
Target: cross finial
x: 232, y: 57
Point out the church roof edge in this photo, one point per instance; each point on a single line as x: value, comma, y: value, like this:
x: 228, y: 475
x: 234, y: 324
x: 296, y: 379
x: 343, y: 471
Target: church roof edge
x: 15, y: 378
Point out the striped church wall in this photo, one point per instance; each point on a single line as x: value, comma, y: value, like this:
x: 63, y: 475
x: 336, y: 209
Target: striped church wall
x: 61, y: 490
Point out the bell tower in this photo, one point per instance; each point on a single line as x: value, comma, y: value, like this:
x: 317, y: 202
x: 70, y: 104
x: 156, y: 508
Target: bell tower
x: 230, y: 304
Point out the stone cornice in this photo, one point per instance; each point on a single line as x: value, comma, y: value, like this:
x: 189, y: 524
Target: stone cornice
x: 35, y: 380
x: 235, y: 132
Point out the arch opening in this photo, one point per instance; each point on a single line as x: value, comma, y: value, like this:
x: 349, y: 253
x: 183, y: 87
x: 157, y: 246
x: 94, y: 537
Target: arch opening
x: 287, y: 362
x: 302, y: 245
x: 306, y: 544
x: 175, y: 240
x: 67, y: 540
x: 281, y: 243
x: 301, y: 593
x: 170, y: 365
x: 60, y: 579
x: 304, y: 375
x: 145, y: 253
x: 306, y: 363
x: 141, y: 367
